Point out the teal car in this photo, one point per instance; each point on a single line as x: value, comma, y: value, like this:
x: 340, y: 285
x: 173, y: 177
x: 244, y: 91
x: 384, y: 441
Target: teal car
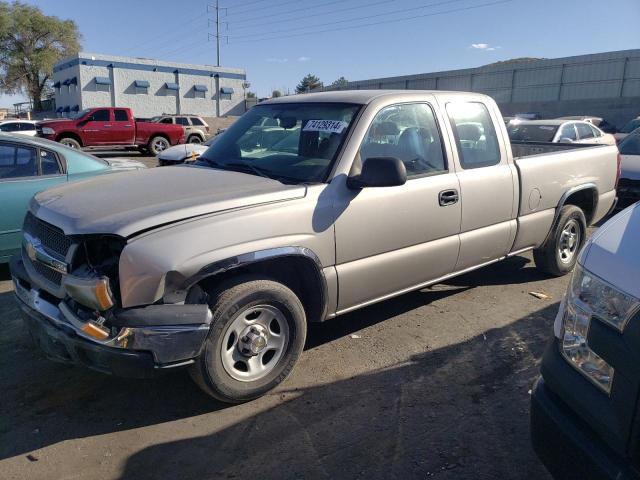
x: 29, y: 165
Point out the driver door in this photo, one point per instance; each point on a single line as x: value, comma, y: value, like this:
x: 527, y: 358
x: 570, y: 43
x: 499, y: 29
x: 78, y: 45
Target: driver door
x: 392, y: 239
x: 96, y: 129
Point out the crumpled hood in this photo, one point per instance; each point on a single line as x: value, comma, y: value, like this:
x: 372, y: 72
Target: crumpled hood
x: 182, y: 151
x: 129, y: 202
x: 630, y: 167
x: 612, y: 252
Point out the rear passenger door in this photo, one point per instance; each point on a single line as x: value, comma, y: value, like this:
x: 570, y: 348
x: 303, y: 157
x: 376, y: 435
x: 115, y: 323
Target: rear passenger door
x: 122, y: 130
x: 24, y: 171
x: 487, y: 184
x: 391, y: 239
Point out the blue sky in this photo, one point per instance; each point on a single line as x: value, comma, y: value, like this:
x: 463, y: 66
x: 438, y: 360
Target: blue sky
x: 395, y: 37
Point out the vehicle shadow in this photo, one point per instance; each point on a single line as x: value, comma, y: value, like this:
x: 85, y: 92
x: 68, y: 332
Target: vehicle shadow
x: 63, y: 402
x: 5, y: 273
x: 460, y: 412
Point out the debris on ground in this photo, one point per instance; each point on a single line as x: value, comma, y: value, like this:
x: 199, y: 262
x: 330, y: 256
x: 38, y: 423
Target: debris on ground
x: 355, y: 336
x: 540, y: 295
x: 32, y: 458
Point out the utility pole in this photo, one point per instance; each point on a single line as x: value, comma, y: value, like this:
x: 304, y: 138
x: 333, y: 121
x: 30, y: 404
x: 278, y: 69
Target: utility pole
x: 217, y: 23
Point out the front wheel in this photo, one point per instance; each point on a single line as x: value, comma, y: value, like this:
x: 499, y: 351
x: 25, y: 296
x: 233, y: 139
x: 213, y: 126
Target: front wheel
x: 257, y: 335
x: 158, y: 145
x: 70, y: 142
x: 558, y: 255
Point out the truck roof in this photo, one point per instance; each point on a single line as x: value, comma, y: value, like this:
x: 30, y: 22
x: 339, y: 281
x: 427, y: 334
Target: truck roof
x: 358, y: 96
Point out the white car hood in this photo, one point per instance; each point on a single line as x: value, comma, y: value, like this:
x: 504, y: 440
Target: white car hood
x: 630, y: 167
x: 612, y: 252
x: 124, y: 164
x: 180, y: 152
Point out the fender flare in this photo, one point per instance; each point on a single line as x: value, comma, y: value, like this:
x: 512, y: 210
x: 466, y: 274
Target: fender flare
x: 563, y: 201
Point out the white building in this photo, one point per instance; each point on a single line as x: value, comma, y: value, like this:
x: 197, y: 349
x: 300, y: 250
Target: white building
x: 148, y: 87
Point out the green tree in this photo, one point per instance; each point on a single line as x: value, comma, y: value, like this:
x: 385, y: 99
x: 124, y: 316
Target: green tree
x: 251, y: 95
x: 341, y: 82
x: 308, y: 83
x: 31, y: 43
x: 276, y: 93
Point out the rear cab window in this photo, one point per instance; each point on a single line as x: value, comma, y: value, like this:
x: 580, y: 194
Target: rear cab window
x: 474, y: 133
x: 196, y: 121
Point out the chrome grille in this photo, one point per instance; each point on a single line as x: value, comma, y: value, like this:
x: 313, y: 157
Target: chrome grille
x: 52, y: 238
x: 48, y: 273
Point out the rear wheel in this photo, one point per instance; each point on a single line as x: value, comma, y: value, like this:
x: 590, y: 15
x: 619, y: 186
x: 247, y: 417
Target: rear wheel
x: 558, y: 255
x: 257, y: 335
x: 70, y: 142
x: 158, y: 145
x: 194, y: 139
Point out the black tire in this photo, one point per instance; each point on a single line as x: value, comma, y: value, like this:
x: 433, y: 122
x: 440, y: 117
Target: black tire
x: 227, y: 303
x: 196, y: 139
x: 70, y: 142
x: 157, y: 145
x: 549, y: 257
x: 143, y: 150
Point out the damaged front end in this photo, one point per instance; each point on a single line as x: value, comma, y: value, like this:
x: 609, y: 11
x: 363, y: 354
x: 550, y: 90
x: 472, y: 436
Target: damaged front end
x: 68, y: 289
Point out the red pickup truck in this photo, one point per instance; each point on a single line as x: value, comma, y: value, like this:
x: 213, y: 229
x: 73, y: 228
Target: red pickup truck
x: 111, y: 128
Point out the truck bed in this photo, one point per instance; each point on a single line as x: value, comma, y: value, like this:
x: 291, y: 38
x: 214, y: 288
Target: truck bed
x: 527, y: 149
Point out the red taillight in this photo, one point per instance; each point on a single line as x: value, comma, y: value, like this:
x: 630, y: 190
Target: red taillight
x: 207, y: 129
x: 618, y: 169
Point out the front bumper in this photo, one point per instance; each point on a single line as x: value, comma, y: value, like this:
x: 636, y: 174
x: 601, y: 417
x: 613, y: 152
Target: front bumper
x: 146, y: 342
x: 566, y: 444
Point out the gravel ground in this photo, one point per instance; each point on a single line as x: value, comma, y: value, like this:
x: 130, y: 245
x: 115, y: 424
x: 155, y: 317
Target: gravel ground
x: 431, y: 384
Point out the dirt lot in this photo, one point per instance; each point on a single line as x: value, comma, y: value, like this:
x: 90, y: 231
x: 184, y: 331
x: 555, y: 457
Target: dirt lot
x: 431, y: 384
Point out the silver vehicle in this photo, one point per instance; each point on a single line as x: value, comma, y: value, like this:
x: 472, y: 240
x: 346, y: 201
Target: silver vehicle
x: 22, y: 127
x: 184, y: 152
x: 196, y: 129
x: 558, y: 131
x: 339, y: 200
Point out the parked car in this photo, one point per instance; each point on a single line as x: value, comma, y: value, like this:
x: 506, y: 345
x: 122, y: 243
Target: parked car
x: 111, y: 128
x: 220, y: 265
x: 584, y: 407
x: 30, y: 165
x: 184, y: 153
x: 599, y: 122
x: 22, y: 127
x: 558, y: 131
x: 196, y: 129
x: 629, y: 184
x: 629, y: 127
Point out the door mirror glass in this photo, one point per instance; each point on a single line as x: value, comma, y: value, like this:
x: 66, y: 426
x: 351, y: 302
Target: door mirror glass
x: 378, y: 172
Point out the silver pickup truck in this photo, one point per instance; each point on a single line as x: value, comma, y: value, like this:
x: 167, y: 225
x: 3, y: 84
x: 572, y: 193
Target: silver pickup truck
x: 308, y: 207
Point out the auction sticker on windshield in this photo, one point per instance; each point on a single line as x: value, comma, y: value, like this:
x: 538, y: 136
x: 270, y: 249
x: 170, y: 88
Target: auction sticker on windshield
x: 331, y: 126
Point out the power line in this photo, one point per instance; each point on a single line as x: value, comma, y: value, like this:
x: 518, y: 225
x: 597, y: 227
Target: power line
x: 384, y: 14
x: 377, y: 23
x: 259, y: 17
x: 275, y: 5
x: 304, y: 17
x: 247, y: 4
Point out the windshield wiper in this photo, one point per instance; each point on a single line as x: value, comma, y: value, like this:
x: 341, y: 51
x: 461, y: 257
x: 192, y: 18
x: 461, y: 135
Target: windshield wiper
x: 247, y: 166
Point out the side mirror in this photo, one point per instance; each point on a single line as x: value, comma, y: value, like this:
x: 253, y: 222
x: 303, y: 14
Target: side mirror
x: 379, y: 172
x: 566, y: 140
x: 82, y: 123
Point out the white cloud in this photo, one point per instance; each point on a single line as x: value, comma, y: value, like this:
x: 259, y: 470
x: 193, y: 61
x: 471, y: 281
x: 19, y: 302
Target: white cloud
x: 304, y: 59
x: 277, y: 60
x: 484, y: 46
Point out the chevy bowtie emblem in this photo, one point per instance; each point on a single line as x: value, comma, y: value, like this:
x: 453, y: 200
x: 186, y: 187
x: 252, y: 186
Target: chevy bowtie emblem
x: 37, y: 253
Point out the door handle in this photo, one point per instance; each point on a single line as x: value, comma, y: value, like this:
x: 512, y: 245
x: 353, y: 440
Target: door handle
x: 448, y: 197
x: 107, y: 126
x: 129, y: 126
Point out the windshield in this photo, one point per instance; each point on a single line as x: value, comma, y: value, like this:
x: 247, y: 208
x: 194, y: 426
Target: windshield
x: 79, y: 114
x: 630, y: 145
x: 631, y: 126
x: 532, y: 133
x: 295, y: 142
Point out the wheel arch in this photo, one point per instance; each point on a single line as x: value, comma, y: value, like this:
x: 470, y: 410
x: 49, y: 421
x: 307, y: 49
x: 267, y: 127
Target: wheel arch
x: 299, y: 268
x: 73, y: 135
x: 583, y: 196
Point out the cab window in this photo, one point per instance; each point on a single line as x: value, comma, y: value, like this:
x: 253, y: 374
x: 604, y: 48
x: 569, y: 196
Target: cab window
x: 182, y: 121
x: 408, y: 132
x: 120, y: 115
x: 474, y: 133
x: 568, y: 131
x: 99, y: 116
x: 584, y: 131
